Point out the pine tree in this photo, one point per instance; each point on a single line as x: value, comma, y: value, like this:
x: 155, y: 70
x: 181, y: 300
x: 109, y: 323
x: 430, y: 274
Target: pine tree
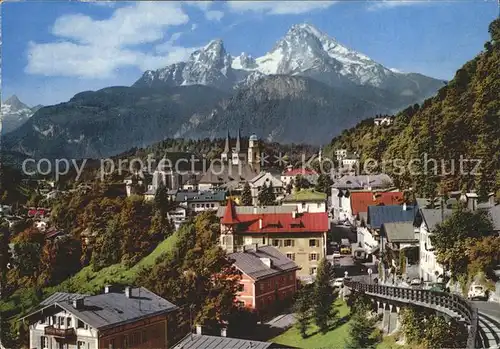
x: 246, y: 195
x: 323, y: 297
x: 261, y: 197
x: 324, y: 183
x: 270, y: 196
x: 362, y: 327
x: 302, y: 310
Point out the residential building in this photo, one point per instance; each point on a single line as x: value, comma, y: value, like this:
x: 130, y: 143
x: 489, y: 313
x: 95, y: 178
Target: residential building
x: 178, y: 216
x: 135, y: 318
x: 384, y: 121
x: 340, y: 154
x: 201, y: 201
x: 268, y: 277
x: 288, y: 176
x: 306, y: 200
x: 301, y: 237
x: 350, y: 162
x: 397, y: 237
x: 257, y: 210
x: 269, y: 180
x: 368, y: 233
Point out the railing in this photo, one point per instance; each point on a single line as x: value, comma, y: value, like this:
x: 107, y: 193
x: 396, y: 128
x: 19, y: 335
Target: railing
x: 434, y: 299
x: 60, y: 332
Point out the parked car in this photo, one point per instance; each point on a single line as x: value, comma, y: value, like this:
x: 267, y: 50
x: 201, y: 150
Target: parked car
x: 338, y: 282
x: 416, y: 282
x: 477, y: 292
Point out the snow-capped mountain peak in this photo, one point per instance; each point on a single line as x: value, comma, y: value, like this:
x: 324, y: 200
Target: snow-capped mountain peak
x: 14, y: 113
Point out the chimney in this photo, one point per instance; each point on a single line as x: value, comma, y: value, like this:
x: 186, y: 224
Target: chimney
x: 223, y: 332
x: 199, y: 329
x: 267, y: 262
x: 128, y: 292
x: 260, y: 223
x: 78, y: 303
x: 294, y: 214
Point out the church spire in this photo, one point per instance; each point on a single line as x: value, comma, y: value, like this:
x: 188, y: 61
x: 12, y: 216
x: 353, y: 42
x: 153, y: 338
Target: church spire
x: 238, y: 148
x: 226, y: 147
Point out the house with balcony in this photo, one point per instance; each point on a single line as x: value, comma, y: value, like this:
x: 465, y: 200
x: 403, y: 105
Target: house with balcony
x: 268, y: 278
x: 132, y: 318
x: 301, y: 237
x: 197, y: 202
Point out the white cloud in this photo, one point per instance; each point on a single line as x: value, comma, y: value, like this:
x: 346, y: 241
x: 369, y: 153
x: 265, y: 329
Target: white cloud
x: 278, y: 7
x: 194, y: 26
x: 201, y: 4
x: 91, y: 48
x: 214, y: 15
x: 387, y: 4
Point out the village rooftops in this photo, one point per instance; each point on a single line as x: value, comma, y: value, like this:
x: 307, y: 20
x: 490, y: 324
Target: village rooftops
x: 224, y: 173
x: 109, y: 309
x: 432, y: 217
x: 378, y: 215
x: 294, y: 222
x: 258, y: 209
x: 363, y: 181
x: 305, y: 196
x: 361, y: 200
x: 251, y: 262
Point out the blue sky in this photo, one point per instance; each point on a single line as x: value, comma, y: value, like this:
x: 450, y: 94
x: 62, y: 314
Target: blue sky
x: 53, y: 50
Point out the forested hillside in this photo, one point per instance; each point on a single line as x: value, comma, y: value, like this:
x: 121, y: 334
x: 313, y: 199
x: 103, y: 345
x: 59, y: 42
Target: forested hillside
x: 461, y: 121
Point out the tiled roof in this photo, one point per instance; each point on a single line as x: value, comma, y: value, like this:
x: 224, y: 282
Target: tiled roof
x: 258, y: 209
x: 196, y: 341
x: 250, y: 263
x: 361, y: 200
x: 229, y: 213
x: 299, y: 171
x: 378, y: 215
x: 305, y: 195
x: 434, y: 216
x: 113, y: 308
x: 283, y: 222
x: 191, y: 196
x: 61, y: 297
x: 363, y: 181
x: 399, y: 231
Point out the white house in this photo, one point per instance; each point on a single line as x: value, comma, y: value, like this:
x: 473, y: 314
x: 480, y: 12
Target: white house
x: 201, y: 201
x: 289, y: 175
x: 384, y: 121
x: 306, y: 201
x: 340, y: 154
x: 268, y: 179
x: 178, y: 216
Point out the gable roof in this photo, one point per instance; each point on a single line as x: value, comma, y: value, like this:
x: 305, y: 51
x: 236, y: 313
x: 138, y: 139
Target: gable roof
x: 197, y: 341
x: 257, y: 209
x: 299, y: 171
x: 265, y: 177
x: 434, y: 216
x: 363, y: 181
x: 399, y: 231
x: 113, y: 308
x: 249, y: 262
x: 361, y: 200
x: 378, y: 215
x: 305, y: 195
x: 309, y: 222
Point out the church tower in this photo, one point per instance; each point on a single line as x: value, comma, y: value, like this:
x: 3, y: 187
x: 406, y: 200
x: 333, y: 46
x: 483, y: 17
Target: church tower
x: 254, y: 153
x: 225, y: 156
x: 237, y: 149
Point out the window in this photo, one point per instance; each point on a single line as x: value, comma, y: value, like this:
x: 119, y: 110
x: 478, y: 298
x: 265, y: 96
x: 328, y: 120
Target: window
x: 81, y: 345
x: 212, y: 205
x: 68, y: 322
x: 290, y: 256
x: 241, y: 287
x: 276, y: 243
x: 312, y: 271
x: 80, y: 324
x: 43, y: 321
x: 44, y: 342
x: 263, y: 240
x: 289, y: 243
x: 313, y: 256
x: 312, y: 243
x: 318, y: 205
x: 197, y: 205
x: 304, y: 205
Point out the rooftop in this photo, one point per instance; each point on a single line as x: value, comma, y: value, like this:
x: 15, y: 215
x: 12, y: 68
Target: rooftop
x: 194, y: 196
x: 399, y: 231
x: 111, y: 309
x: 363, y: 181
x: 305, y: 195
x: 360, y: 201
x: 299, y: 171
x: 249, y: 262
x: 378, y: 215
x: 223, y: 173
x: 197, y: 341
x: 257, y: 209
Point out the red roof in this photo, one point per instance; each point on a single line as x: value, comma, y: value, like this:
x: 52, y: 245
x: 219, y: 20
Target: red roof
x: 229, y: 214
x: 299, y: 171
x: 362, y: 199
x: 316, y: 222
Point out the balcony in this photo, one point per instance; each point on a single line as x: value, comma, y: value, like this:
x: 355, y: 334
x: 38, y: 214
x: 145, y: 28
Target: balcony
x: 60, y: 332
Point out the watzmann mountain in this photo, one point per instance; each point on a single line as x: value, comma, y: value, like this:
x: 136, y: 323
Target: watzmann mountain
x: 307, y: 75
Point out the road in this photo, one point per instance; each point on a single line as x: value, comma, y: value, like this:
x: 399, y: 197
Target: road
x: 491, y: 309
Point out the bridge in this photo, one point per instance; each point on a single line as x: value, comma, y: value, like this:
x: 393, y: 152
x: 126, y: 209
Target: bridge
x: 483, y: 328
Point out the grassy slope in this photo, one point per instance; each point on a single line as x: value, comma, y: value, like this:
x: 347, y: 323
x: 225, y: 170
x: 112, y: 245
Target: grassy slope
x: 333, y: 339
